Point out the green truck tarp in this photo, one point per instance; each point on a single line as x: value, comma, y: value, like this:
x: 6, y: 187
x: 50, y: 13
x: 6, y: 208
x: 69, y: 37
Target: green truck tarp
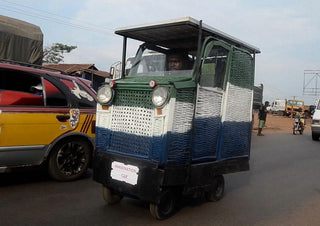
x: 20, y: 41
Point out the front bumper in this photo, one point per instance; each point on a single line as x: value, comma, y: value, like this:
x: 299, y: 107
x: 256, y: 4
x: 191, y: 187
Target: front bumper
x: 315, y: 128
x: 151, y: 179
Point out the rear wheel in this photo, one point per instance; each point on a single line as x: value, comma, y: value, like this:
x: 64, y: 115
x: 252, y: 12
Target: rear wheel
x: 217, y: 189
x: 110, y: 197
x: 165, y: 208
x: 69, y: 159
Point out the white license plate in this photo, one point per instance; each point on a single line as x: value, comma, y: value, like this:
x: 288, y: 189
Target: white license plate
x: 125, y: 173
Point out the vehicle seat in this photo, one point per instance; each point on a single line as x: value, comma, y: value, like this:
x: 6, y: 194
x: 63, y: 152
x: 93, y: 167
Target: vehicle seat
x: 9, y: 97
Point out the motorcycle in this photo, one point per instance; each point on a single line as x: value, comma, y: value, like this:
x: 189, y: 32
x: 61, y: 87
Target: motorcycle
x: 298, y: 125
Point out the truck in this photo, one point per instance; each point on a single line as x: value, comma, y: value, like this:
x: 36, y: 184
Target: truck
x: 20, y: 41
x: 257, y: 96
x: 293, y: 106
x: 278, y: 107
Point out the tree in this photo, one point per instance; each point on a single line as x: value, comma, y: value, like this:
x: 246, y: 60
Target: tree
x: 54, y: 54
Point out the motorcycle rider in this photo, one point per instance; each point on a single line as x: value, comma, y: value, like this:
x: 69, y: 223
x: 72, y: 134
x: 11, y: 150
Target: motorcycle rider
x: 300, y: 115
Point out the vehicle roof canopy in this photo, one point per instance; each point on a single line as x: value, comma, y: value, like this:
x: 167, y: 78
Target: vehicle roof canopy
x: 179, y: 33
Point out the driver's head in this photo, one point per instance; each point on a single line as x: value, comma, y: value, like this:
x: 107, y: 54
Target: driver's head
x: 177, y: 61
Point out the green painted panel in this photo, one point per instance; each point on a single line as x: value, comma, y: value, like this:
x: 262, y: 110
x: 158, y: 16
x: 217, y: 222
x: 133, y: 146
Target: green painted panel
x: 242, y: 69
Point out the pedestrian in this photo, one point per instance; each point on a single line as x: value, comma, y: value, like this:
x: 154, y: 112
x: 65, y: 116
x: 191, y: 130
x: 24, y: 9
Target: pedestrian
x: 262, y: 119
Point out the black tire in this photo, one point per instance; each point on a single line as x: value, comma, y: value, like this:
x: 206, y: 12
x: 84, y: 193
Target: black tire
x: 165, y: 208
x: 110, y: 197
x: 69, y: 159
x: 295, y: 129
x: 217, y: 189
x: 315, y: 136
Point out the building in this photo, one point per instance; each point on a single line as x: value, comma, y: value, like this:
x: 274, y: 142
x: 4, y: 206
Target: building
x: 86, y: 71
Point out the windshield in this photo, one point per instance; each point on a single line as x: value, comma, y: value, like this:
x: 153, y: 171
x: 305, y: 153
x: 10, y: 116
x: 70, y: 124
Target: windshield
x: 295, y: 103
x: 156, y: 61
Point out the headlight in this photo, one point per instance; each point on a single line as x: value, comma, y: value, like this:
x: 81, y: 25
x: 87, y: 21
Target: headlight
x: 160, y: 96
x: 105, y: 95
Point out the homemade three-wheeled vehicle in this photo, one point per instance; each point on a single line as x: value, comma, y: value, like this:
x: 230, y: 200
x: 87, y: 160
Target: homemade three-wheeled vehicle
x: 178, y: 119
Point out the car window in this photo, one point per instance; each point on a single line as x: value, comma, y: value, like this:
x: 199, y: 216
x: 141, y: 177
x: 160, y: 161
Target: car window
x: 54, y: 96
x: 20, y: 88
x: 214, y: 66
x: 85, y: 100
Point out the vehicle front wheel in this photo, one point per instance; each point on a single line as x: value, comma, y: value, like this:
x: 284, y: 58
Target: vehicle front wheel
x: 315, y: 136
x: 217, y: 190
x: 165, y: 208
x: 69, y: 159
x: 109, y: 196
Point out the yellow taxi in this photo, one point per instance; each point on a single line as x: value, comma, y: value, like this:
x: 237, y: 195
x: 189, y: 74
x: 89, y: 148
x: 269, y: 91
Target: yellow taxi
x: 46, y: 118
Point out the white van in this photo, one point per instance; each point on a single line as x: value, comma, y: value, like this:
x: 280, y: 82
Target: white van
x: 315, y: 125
x: 279, y: 106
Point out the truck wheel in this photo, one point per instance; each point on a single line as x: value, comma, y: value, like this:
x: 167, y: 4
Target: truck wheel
x: 315, y: 136
x: 69, y: 159
x: 217, y: 190
x: 110, y: 197
x: 165, y: 208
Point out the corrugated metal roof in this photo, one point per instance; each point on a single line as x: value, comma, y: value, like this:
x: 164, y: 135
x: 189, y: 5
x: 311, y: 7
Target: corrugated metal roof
x: 71, y: 68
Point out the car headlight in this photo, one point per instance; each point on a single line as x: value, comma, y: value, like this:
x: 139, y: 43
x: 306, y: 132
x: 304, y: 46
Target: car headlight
x: 160, y: 96
x: 105, y: 94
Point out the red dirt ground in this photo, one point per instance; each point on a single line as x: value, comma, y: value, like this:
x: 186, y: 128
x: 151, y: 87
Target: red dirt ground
x: 278, y: 124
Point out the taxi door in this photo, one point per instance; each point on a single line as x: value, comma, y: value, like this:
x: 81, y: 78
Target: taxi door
x: 33, y: 113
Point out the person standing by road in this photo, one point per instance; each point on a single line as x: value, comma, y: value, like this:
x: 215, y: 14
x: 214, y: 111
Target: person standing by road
x: 262, y: 119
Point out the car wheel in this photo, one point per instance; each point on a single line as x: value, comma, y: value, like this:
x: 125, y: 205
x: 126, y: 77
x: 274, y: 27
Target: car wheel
x: 109, y: 196
x: 165, y: 207
x: 69, y: 159
x: 315, y: 136
x: 217, y: 189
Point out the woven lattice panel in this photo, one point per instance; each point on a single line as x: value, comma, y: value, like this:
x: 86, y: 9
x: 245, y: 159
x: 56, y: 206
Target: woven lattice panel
x: 242, y: 70
x: 131, y: 124
x: 237, y: 124
x: 102, y: 139
x: 236, y: 139
x: 180, y: 138
x: 207, y: 123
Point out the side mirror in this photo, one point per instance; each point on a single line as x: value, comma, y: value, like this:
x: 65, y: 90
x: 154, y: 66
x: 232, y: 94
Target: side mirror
x: 112, y: 72
x: 115, y: 70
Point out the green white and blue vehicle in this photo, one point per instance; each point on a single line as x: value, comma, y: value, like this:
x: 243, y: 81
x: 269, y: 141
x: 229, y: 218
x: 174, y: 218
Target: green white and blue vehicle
x: 163, y: 134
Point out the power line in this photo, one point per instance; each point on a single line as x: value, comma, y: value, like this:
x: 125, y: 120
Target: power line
x: 56, y: 19
x: 56, y: 15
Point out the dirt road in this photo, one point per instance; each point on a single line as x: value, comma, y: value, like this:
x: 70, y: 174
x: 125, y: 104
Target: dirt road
x: 278, y: 124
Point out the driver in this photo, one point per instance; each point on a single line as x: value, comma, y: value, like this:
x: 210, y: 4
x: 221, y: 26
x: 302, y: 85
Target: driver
x: 178, y: 61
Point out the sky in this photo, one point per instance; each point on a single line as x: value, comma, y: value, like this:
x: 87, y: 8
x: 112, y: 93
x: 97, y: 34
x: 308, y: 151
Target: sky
x: 286, y: 31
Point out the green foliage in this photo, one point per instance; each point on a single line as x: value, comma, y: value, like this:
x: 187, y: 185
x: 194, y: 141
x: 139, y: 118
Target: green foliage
x: 54, y: 54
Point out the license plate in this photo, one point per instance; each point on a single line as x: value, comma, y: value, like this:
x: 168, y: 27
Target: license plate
x: 125, y: 173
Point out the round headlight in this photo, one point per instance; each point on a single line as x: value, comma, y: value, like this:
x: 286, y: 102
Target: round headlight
x: 105, y: 95
x: 160, y: 96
